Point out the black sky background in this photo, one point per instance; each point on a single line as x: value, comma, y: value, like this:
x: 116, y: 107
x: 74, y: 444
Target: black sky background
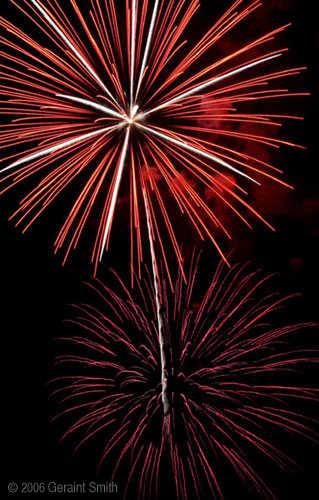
x: 36, y: 290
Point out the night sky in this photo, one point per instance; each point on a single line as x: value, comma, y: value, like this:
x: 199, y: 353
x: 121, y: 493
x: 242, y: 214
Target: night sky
x: 36, y: 289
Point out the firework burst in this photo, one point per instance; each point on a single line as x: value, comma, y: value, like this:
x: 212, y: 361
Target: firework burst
x: 225, y: 362
x: 116, y: 99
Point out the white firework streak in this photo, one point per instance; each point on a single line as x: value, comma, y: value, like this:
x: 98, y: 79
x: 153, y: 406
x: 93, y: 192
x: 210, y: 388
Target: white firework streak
x: 147, y: 47
x: 197, y: 151
x: 133, y: 42
x: 94, y: 105
x: 159, y: 315
x: 74, y: 50
x: 209, y: 83
x: 115, y: 191
x: 57, y: 147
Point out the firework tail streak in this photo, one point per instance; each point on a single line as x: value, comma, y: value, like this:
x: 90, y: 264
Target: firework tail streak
x: 130, y: 114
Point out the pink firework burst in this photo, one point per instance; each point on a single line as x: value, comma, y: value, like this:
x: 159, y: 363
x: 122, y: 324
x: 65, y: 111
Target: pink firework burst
x: 116, y: 100
x: 223, y: 366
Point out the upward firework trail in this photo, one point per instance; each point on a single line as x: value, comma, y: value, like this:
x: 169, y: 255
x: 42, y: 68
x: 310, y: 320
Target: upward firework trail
x: 232, y: 384
x: 113, y: 101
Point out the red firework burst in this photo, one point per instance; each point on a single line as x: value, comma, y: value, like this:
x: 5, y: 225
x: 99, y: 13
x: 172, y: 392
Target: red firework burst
x: 225, y: 400
x: 120, y: 94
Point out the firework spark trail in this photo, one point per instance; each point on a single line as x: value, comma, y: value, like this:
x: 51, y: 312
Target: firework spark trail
x: 163, y: 344
x: 136, y: 72
x: 226, y: 399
